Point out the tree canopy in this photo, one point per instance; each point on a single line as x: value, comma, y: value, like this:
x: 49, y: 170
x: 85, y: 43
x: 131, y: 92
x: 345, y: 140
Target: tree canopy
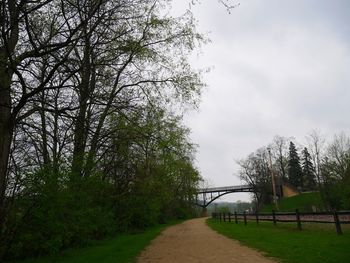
x: 325, y: 169
x: 91, y: 133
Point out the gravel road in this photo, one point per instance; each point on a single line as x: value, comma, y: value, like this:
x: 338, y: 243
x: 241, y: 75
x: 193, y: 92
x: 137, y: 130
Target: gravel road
x: 194, y: 241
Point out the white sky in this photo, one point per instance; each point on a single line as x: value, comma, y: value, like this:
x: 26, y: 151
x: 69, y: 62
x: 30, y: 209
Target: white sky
x: 279, y: 68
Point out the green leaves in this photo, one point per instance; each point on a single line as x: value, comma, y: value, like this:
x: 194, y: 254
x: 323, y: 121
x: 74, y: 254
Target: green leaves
x: 98, y: 147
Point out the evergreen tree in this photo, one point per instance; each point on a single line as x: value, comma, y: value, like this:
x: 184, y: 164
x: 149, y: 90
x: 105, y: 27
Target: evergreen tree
x: 295, y: 172
x: 309, y: 182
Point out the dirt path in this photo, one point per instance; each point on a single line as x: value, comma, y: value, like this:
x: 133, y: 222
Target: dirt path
x: 194, y: 241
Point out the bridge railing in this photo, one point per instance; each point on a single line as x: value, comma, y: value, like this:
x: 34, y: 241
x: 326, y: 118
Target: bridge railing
x: 334, y: 217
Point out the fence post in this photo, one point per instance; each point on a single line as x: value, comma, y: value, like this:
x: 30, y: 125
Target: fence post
x: 236, y: 220
x: 224, y: 214
x: 229, y: 217
x: 337, y: 223
x: 274, y: 217
x: 245, y: 218
x: 257, y: 217
x: 298, y: 218
x: 220, y: 217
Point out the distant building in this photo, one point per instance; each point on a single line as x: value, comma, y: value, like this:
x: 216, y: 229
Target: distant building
x: 289, y: 190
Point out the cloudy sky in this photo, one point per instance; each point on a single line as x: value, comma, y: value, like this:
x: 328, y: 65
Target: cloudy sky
x: 279, y: 68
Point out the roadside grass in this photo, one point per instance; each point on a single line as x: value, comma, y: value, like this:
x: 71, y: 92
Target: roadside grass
x: 304, y: 202
x: 315, y: 243
x: 124, y: 248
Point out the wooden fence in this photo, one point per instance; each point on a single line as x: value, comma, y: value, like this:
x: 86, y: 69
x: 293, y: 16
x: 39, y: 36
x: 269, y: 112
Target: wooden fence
x: 336, y: 217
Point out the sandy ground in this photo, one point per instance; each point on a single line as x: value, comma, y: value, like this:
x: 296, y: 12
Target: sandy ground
x: 194, y: 241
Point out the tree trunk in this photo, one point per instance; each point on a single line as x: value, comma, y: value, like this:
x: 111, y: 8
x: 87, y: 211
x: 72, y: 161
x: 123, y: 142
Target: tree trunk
x: 80, y: 137
x: 10, y: 20
x: 80, y: 131
x: 6, y: 133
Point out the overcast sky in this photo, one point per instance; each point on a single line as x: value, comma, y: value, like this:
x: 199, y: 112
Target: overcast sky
x: 279, y: 68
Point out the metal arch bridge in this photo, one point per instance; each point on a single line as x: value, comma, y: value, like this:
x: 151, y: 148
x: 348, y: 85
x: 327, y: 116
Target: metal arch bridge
x: 211, y: 194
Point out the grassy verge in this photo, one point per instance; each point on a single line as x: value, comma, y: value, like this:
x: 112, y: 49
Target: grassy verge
x: 123, y: 248
x: 314, y: 244
x: 304, y: 202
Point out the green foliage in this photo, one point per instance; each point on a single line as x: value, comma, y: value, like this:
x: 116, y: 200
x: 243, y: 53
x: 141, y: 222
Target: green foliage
x: 152, y: 153
x: 148, y: 178
x: 97, y: 147
x: 313, y: 244
x: 224, y: 209
x: 335, y: 171
x: 238, y: 206
x: 243, y: 206
x: 123, y: 248
x: 51, y: 217
x: 295, y: 174
x: 330, y: 165
x: 305, y: 202
x: 336, y: 192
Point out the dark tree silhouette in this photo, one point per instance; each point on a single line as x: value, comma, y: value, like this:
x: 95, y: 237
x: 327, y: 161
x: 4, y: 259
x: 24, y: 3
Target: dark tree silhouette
x: 309, y: 182
x: 295, y: 173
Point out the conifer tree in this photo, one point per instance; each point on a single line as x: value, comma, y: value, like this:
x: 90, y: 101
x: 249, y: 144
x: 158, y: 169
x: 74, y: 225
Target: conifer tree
x: 295, y: 173
x: 309, y: 182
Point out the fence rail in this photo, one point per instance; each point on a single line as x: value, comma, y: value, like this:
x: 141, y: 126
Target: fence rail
x: 335, y: 217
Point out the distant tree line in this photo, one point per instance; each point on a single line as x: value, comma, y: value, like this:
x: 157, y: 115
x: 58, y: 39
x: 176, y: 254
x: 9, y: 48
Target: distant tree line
x: 319, y: 166
x: 229, y: 207
x: 91, y: 135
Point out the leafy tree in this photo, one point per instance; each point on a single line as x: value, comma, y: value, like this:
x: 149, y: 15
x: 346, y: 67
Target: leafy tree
x: 328, y: 168
x: 159, y: 155
x: 295, y: 173
x: 29, y: 39
x: 255, y: 171
x: 309, y: 182
x: 87, y: 91
x: 243, y: 206
x: 224, y: 209
x: 335, y: 170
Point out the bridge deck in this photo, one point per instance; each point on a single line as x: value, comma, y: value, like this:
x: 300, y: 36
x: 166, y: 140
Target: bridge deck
x: 236, y: 188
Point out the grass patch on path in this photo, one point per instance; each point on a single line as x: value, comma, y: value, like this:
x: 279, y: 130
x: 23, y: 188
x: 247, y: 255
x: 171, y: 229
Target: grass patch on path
x: 123, y: 248
x: 313, y: 244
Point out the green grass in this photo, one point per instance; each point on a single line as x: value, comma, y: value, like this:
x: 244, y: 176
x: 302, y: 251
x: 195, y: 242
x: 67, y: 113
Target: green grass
x: 315, y: 243
x: 303, y: 202
x: 123, y: 248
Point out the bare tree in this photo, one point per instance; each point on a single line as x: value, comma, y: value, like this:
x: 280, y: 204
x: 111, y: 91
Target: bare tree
x: 279, y: 148
x: 316, y: 146
x: 255, y: 171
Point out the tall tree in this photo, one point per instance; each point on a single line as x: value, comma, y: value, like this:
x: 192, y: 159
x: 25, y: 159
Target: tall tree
x: 134, y: 54
x: 255, y: 171
x: 335, y: 170
x: 316, y: 144
x: 309, y: 182
x: 295, y: 173
x: 32, y: 33
x: 67, y: 67
x: 280, y: 152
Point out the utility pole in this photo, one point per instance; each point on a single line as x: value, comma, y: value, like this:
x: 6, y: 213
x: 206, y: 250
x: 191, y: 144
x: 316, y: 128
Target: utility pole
x: 272, y: 179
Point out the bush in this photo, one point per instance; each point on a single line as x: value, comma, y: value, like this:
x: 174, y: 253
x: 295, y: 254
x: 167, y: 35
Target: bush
x: 47, y: 218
